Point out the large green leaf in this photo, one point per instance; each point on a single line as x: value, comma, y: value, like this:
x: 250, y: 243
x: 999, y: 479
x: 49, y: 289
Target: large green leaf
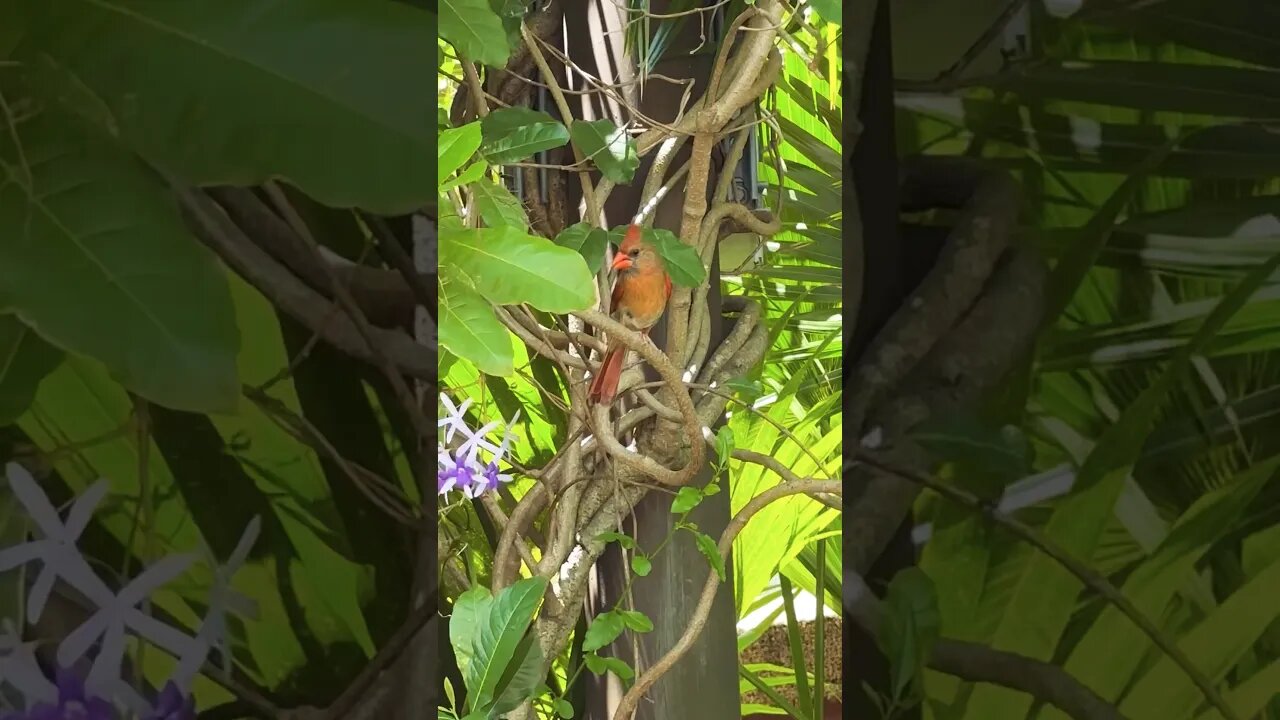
x: 499, y: 635
x: 1207, y: 89
x: 498, y: 206
x: 509, y: 266
x: 25, y: 360
x: 522, y: 677
x: 469, y: 329
x: 469, y: 611
x: 682, y: 261
x: 1082, y: 141
x: 516, y: 133
x: 455, y: 146
x: 475, y: 30
x: 320, y: 92
x: 1250, y: 697
x: 1240, y: 29
x: 1045, y: 594
x: 590, y: 242
x: 96, y: 259
x: 608, y: 146
x: 1111, y: 651
x: 1216, y: 644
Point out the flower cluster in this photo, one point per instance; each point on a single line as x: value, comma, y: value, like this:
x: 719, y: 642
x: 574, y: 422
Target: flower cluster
x: 460, y: 467
x: 73, y: 703
x: 100, y: 642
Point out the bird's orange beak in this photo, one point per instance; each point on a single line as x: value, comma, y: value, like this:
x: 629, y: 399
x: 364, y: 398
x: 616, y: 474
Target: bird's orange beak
x: 621, y: 261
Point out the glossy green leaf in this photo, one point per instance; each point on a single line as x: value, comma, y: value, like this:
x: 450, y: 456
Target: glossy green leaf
x: 469, y: 329
x: 625, y: 541
x: 501, y: 631
x: 475, y: 30
x: 508, y: 266
x: 523, y: 676
x: 474, y: 172
x: 173, y: 81
x: 829, y: 10
x: 636, y: 621
x: 608, y: 146
x: 641, y: 565
x: 457, y: 145
x: 98, y: 262
x: 687, y: 498
x: 604, y: 629
x: 682, y: 261
x: 999, y: 454
x: 470, y: 609
x: 590, y: 242
x: 498, y: 206
x: 707, y: 546
x: 25, y: 360
x: 517, y: 133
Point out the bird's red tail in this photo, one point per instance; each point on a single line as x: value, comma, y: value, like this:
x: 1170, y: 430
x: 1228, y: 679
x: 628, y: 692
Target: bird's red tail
x: 604, y: 386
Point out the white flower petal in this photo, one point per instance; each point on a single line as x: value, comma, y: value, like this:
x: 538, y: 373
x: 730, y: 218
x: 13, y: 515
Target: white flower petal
x: 151, y: 579
x: 83, y: 507
x: 28, y: 492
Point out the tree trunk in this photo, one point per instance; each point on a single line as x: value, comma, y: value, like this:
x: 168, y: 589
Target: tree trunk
x: 886, y: 282
x: 705, y: 683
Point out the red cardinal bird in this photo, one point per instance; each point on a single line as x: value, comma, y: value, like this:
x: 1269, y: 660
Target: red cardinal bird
x: 639, y: 297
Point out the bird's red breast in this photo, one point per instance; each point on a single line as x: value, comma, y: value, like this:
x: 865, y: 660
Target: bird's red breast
x: 643, y: 286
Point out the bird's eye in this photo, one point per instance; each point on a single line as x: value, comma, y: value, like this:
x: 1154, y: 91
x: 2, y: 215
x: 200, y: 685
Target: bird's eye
x: 634, y: 252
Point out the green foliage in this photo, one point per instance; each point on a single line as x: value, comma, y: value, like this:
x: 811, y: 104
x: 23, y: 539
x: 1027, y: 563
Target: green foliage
x: 509, y: 266
x: 1157, y: 209
x: 641, y: 565
x: 469, y: 329
x: 608, y: 146
x: 590, y: 242
x: 604, y: 629
x: 149, y: 302
x: 517, y: 133
x: 910, y: 628
x: 975, y: 449
x: 455, y: 147
x: 25, y: 360
x: 157, y: 74
x: 126, y: 346
x: 796, y: 278
x: 601, y: 665
x: 498, y: 657
x: 682, y: 261
x: 711, y: 551
x: 475, y: 30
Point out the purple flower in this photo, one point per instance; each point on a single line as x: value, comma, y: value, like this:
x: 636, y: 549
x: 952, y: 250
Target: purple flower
x: 462, y: 469
x: 172, y: 705
x: 73, y: 704
x: 454, y: 475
